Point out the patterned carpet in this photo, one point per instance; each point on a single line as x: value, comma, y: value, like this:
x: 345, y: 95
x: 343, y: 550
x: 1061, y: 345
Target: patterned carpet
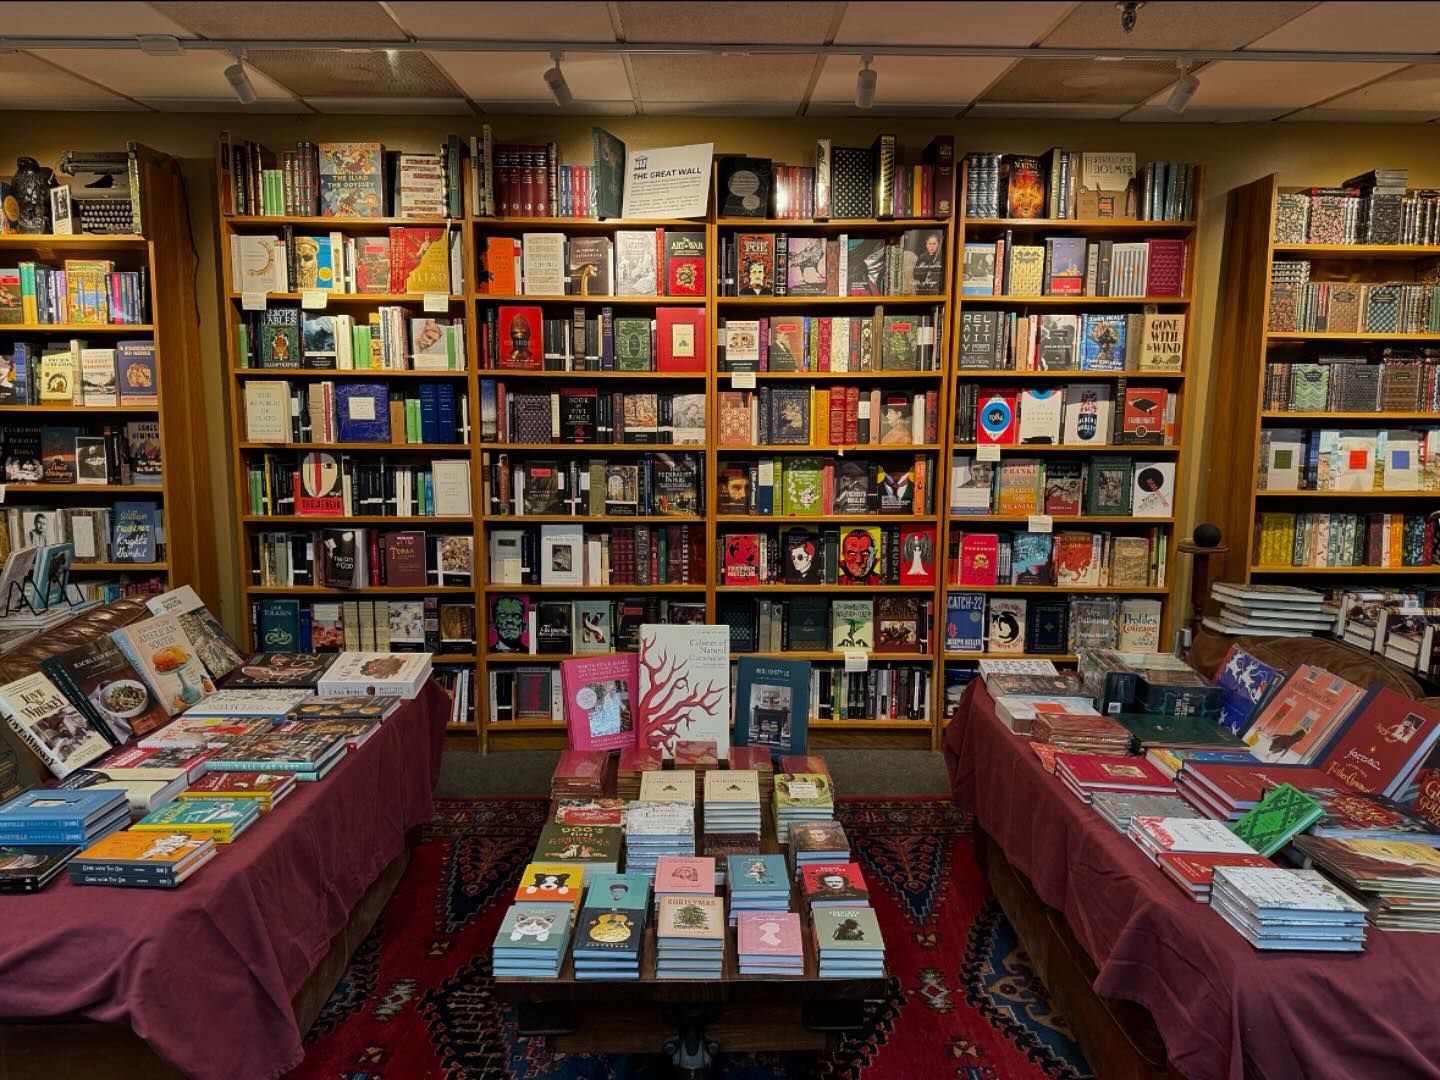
x: 961, y: 1002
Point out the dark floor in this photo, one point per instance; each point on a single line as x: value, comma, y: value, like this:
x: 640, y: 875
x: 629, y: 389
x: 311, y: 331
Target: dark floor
x: 855, y: 772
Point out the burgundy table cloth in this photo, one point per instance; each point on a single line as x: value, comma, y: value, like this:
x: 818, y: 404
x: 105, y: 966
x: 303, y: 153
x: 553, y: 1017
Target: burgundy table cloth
x: 1223, y: 1008
x: 205, y: 973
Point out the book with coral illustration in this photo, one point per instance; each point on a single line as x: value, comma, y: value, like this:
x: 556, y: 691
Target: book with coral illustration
x: 684, y: 686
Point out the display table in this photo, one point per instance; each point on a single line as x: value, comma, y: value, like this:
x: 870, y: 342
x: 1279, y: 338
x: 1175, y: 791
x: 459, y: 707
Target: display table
x: 213, y: 975
x: 1222, y: 1008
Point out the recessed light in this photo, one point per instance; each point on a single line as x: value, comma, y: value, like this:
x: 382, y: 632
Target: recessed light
x: 1085, y: 82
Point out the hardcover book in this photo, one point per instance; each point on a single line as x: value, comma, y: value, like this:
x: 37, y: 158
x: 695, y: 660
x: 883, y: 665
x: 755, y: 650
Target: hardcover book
x: 772, y: 704
x: 160, y: 650
x: 352, y: 180
x: 684, y: 685
x: 50, y: 724
x: 600, y: 693
x: 1283, y: 813
x: 100, y: 682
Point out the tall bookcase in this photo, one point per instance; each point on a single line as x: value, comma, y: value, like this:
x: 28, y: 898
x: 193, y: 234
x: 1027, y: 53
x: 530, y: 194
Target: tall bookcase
x: 1248, y: 348
x: 164, y: 253
x: 1034, y: 231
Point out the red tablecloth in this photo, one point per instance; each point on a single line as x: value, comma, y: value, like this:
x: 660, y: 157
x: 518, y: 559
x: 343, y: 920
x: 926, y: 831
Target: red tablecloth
x: 205, y: 973
x: 1223, y: 1009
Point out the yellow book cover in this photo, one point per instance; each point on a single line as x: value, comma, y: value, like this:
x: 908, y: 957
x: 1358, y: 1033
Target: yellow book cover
x: 87, y: 290
x: 221, y: 834
x: 1027, y: 270
x: 144, y: 848
x: 432, y: 272
x: 551, y: 883
x: 820, y: 414
x: 57, y: 377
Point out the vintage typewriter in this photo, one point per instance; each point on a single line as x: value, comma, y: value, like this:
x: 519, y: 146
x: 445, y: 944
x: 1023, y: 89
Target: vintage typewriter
x: 101, y: 190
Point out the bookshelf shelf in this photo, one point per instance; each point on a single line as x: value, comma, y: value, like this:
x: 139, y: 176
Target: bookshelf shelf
x: 870, y: 725
x: 571, y: 589
x: 525, y: 725
x: 1126, y: 590
x: 1081, y: 448
x: 1275, y: 414
x: 1079, y: 301
x: 1265, y: 493
x: 1316, y: 335
x: 832, y: 376
x: 77, y: 328
x: 354, y: 298
x: 1087, y: 225
x: 597, y: 448
x: 583, y: 376
x: 1062, y: 658
x: 562, y: 224
x: 119, y: 568
x: 380, y: 590
x: 500, y: 520
x: 1060, y: 519
x: 831, y: 224
x: 598, y: 301
x: 82, y: 241
x: 94, y: 490
x: 332, y: 224
x: 825, y: 301
x: 351, y: 519
x: 98, y: 410
x: 842, y: 519
x: 1358, y: 251
x: 1069, y: 376
x: 543, y: 658
x: 345, y: 373
x: 1354, y: 571
x: 851, y: 590
x: 867, y: 448
x: 832, y: 656
x: 454, y: 658
x: 441, y: 449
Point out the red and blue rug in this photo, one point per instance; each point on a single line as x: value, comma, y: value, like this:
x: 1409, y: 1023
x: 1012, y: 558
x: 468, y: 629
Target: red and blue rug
x: 962, y: 1001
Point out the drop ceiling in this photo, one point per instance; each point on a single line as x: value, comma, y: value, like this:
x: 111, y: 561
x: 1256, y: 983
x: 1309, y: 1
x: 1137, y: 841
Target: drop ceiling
x: 819, y: 80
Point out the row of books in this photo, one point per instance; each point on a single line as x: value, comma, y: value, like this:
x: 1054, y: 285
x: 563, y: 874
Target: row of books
x: 518, y: 180
x: 1391, y: 307
x: 389, y: 338
x: 874, y: 342
x: 807, y: 487
x: 1340, y: 539
x: 320, y: 484
x: 428, y: 624
x: 76, y: 374
x: 412, y: 259
x: 1105, y: 485
x: 1078, y: 414
x: 88, y: 291
x: 1064, y: 559
x: 854, y: 555
x: 98, y: 454
x: 352, y: 558
x: 647, y: 485
x: 127, y: 531
x: 1008, y: 340
x: 1075, y: 184
x: 1270, y: 611
x: 1010, y: 625
x: 637, y: 262
x: 1349, y: 459
x: 339, y: 179
x: 792, y: 416
x: 517, y: 338
x: 1375, y: 208
x: 458, y: 681
x: 639, y: 554
x: 589, y: 416
x: 1402, y: 381
x: 1073, y: 266
x: 817, y: 623
x: 104, y: 590
x: 778, y: 264
x: 1396, y: 623
x: 278, y: 411
x: 539, y: 625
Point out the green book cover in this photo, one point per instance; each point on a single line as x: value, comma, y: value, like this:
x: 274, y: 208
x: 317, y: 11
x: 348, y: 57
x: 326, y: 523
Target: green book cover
x: 630, y: 892
x: 578, y: 843
x: 632, y: 345
x: 803, y: 490
x: 609, y: 173
x: 1281, y: 815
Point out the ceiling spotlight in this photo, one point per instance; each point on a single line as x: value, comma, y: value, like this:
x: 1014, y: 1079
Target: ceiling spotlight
x: 159, y: 44
x: 865, y: 84
x: 555, y: 80
x: 240, y: 82
x: 1184, y: 89
x: 1129, y: 10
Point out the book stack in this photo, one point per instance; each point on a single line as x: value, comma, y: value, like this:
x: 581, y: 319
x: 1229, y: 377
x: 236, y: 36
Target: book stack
x: 684, y: 876
x: 1076, y: 733
x: 531, y: 941
x: 697, y: 755
x: 144, y: 788
x: 1227, y: 791
x: 272, y: 704
x: 770, y: 943
x: 1195, y: 871
x: 610, y: 932
x: 1352, y: 815
x: 376, y: 674
x: 265, y: 788
x: 817, y: 842
x: 1280, y: 816
x: 1185, y: 836
x: 1086, y: 774
x: 756, y: 759
x: 1119, y: 807
x: 551, y: 883
x: 307, y: 755
x: 848, y: 942
x: 834, y: 885
x: 1398, y: 880
x: 595, y: 847
x: 653, y: 829
x: 201, y: 732
x: 721, y: 846
x: 1287, y: 909
x: 668, y: 786
x: 29, y: 868
x: 1268, y: 610
x: 801, y: 797
x: 221, y: 820
x: 732, y: 802
x: 141, y: 860
x: 374, y: 709
x: 756, y: 883
x: 690, y: 938
x: 1018, y: 712
x: 635, y: 760
x: 579, y: 773
x: 48, y: 817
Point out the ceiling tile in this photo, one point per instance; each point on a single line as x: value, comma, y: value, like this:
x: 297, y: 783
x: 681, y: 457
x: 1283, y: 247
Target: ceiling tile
x: 194, y: 76
x: 506, y: 22
x: 1267, y: 89
x: 119, y: 19
x: 491, y: 78
x: 949, y: 23
x: 27, y: 82
x: 359, y: 73
x: 800, y: 24
x: 1405, y: 97
x: 1050, y: 110
x: 576, y: 108
x: 714, y: 108
x: 1362, y: 27
x: 848, y: 108
x: 210, y: 105
x: 1221, y: 25
x: 399, y: 106
x: 734, y: 79
x: 1215, y: 114
x: 911, y: 80
x: 1124, y: 82
x: 264, y: 21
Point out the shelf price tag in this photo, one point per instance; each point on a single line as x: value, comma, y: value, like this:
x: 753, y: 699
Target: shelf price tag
x: 742, y: 380
x: 987, y: 452
x: 437, y: 302
x: 252, y: 301
x: 314, y: 299
x: 857, y: 661
x: 1041, y: 523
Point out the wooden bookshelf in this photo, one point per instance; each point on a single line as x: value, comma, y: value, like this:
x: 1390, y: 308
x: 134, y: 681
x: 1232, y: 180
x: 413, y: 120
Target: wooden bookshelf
x: 1034, y: 231
x: 1246, y: 346
x: 165, y: 254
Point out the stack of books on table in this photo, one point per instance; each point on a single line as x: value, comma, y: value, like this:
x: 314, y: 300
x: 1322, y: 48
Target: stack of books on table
x: 756, y: 759
x: 374, y: 674
x: 669, y: 786
x: 221, y: 820
x: 29, y: 868
x: 579, y: 773
x: 1287, y: 909
x: 848, y: 943
x: 200, y: 732
x: 307, y: 755
x: 143, y: 860
x: 272, y: 704
x: 697, y: 756
x: 816, y: 842
x: 1171, y: 759
x: 653, y: 829
x: 834, y: 885
x: 801, y: 797
x: 609, y: 812
x: 610, y: 932
x: 266, y: 789
x: 732, y: 802
x: 1119, y: 807
x: 1018, y: 712
x: 685, y: 876
x: 690, y: 938
x: 720, y: 846
x: 551, y: 883
x: 1081, y: 733
x: 595, y: 847
x: 1194, y: 872
x: 352, y: 733
x: 50, y: 816
x: 346, y: 708
x: 757, y: 883
x: 531, y: 941
x: 1227, y: 792
x: 1084, y: 775
x: 1185, y: 836
x: 1280, y: 816
x: 1353, y: 815
x: 1398, y: 879
x: 1268, y: 611
x: 144, y: 788
x: 770, y: 943
x: 635, y: 761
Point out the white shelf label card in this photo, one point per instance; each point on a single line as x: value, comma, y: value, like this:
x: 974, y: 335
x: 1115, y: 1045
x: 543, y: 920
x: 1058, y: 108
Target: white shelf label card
x: 857, y: 661
x: 252, y: 301
x: 742, y: 380
x: 987, y: 452
x: 1041, y: 523
x: 314, y: 299
x: 437, y: 302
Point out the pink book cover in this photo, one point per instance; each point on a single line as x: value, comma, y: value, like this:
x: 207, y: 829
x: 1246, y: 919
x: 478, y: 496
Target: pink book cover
x: 600, y: 694
x: 638, y: 759
x: 692, y: 753
x: 684, y: 874
x: 769, y: 933
x: 582, y: 764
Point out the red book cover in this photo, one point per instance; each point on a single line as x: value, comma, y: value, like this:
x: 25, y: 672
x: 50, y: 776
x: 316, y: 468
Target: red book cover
x: 852, y: 416
x: 1165, y: 267
x: 521, y: 344
x: 804, y: 763
x: 1198, y: 868
x: 839, y: 399
x: 1243, y: 785
x: 1387, y: 739
x: 746, y: 758
x: 822, y: 362
x: 1112, y: 773
x: 755, y: 264
x: 979, y: 558
x: 1143, y: 416
x: 680, y: 339
x: 600, y: 694
x: 917, y: 555
x: 405, y: 558
x: 684, y: 264
x: 581, y: 765
x: 638, y: 759
x: 410, y: 245
x: 256, y: 783
x: 603, y: 812
x: 997, y: 417
x: 696, y: 754
x: 834, y: 883
x: 741, y: 564
x: 769, y: 933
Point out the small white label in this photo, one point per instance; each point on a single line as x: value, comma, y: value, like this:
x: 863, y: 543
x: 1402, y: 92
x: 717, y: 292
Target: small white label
x: 252, y: 301
x: 801, y: 790
x: 1041, y: 523
x: 987, y: 452
x: 314, y: 299
x: 437, y: 302
x: 767, y: 472
x: 362, y: 408
x: 2, y: 493
x: 857, y: 661
x: 742, y: 380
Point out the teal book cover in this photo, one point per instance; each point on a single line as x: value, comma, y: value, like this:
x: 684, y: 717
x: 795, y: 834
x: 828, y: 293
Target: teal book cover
x: 183, y: 812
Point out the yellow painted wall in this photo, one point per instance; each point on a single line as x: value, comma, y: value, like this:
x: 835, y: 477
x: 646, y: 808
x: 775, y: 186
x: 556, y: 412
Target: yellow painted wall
x: 1231, y: 155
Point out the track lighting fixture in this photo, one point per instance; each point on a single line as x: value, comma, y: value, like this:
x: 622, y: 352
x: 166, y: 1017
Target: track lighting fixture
x: 865, y: 84
x: 1184, y: 89
x: 240, y: 82
x: 555, y: 80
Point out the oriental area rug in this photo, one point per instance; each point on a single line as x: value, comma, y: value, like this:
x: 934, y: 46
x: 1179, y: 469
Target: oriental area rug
x: 961, y: 999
